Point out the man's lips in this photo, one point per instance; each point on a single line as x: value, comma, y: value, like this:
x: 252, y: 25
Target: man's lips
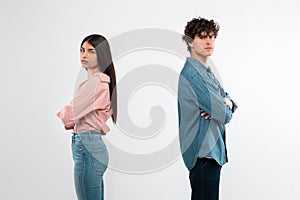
x: 84, y: 61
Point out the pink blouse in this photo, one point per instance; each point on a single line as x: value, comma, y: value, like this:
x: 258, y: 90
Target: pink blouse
x: 90, y: 108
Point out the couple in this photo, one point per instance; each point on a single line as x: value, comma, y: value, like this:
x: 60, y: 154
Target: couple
x: 203, y: 107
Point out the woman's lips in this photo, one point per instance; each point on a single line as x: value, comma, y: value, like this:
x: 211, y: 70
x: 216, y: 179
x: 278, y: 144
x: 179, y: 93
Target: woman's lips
x: 84, y: 61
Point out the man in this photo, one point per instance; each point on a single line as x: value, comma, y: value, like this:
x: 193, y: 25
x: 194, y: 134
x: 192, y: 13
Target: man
x: 204, y: 108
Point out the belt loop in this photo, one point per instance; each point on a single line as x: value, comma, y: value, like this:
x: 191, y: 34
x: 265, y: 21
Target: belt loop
x: 89, y: 134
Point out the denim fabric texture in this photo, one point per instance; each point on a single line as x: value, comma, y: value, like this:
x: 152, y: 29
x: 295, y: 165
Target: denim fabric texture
x: 198, y: 89
x: 90, y: 162
x: 205, y: 179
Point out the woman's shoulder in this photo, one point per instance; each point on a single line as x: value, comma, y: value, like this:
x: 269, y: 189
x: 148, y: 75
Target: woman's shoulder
x: 102, y: 77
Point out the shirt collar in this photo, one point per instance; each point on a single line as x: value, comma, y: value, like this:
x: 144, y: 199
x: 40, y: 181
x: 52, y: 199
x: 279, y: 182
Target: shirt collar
x: 198, y: 64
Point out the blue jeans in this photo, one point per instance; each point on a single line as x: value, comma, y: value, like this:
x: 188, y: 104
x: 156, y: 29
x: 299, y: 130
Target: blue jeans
x: 205, y: 179
x: 90, y: 162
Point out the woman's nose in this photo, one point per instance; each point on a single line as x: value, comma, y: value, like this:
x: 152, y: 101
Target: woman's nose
x: 84, y: 54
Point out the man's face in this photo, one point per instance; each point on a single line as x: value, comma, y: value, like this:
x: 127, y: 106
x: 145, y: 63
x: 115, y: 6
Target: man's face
x: 203, y: 44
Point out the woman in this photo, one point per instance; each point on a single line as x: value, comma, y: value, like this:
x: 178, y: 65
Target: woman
x: 94, y: 102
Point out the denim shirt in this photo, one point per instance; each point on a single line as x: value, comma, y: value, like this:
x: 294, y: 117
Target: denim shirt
x: 198, y: 89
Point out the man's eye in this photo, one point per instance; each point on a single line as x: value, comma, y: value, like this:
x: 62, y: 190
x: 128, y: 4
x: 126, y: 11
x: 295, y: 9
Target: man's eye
x: 81, y: 50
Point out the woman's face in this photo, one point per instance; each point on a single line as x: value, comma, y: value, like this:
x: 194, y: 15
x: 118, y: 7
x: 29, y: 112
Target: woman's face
x: 88, y: 56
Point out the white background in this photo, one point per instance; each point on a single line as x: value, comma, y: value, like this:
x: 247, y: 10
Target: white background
x: 257, y: 57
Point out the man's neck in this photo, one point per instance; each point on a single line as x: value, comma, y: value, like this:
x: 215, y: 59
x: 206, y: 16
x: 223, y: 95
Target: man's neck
x: 201, y: 59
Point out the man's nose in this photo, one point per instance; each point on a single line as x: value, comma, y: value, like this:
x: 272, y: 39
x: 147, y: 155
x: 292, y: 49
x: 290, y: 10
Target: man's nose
x: 209, y: 40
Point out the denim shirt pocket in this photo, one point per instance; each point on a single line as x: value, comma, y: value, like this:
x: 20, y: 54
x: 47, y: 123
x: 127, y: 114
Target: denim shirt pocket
x: 213, y: 86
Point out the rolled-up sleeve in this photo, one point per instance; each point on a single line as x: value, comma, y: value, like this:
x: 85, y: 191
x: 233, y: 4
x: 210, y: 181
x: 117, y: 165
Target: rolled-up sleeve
x: 235, y: 106
x: 93, y: 95
x: 66, y: 115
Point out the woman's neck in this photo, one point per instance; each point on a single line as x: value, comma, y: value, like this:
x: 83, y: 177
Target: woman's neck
x: 93, y: 71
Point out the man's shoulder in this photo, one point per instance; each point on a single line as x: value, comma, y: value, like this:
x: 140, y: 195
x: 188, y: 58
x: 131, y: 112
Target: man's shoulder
x: 189, y: 71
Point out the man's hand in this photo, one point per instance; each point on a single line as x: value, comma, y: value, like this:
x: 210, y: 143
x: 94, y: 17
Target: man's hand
x: 204, y: 114
x: 228, y: 103
x: 207, y: 116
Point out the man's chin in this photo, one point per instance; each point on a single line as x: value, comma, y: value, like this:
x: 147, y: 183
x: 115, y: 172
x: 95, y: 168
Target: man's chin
x: 209, y: 53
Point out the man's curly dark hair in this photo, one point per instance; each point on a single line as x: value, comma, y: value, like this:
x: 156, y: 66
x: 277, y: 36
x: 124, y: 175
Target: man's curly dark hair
x: 198, y: 25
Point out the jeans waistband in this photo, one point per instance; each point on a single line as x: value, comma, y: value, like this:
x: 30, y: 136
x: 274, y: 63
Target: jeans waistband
x: 89, y: 132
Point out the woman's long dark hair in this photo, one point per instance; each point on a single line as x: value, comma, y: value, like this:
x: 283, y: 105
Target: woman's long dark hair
x: 106, y: 66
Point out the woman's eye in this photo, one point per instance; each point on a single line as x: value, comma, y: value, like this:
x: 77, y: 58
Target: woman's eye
x: 81, y: 50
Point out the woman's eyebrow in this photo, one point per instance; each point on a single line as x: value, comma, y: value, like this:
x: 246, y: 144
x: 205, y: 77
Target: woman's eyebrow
x: 88, y: 49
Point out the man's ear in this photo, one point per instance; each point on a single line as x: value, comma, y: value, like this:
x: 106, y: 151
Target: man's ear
x: 191, y: 44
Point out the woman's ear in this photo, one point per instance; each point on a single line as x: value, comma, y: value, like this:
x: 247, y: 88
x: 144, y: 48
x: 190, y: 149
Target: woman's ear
x: 191, y: 44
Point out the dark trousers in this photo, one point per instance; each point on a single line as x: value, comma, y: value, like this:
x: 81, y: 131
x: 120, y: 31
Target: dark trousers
x: 205, y: 179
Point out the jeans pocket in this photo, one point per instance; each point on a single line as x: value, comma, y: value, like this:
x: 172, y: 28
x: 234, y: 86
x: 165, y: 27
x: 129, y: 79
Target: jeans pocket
x: 203, y: 162
x: 100, y: 162
x: 99, y: 155
x: 95, y: 146
x: 100, y: 165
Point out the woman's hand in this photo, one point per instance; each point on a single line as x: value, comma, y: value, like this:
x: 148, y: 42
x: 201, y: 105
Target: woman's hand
x: 69, y: 127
